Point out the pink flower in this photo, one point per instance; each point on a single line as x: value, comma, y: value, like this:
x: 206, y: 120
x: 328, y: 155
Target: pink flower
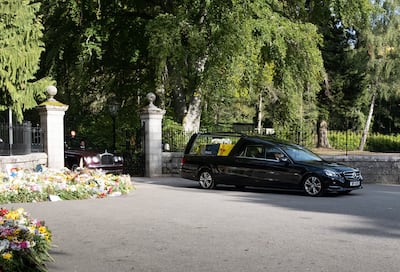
x: 24, y: 244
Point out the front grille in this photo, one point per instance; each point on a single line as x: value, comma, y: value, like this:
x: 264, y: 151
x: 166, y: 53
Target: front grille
x: 352, y: 175
x: 107, y: 159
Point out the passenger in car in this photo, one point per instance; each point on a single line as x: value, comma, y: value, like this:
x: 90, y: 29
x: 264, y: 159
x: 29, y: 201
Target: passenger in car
x: 278, y: 156
x: 82, y: 144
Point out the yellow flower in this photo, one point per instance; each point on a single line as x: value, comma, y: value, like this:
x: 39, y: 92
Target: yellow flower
x: 7, y: 255
x: 43, y: 230
x: 14, y: 215
x: 31, y: 229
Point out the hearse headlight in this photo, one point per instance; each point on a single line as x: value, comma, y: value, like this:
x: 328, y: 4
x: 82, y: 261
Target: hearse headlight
x: 331, y: 173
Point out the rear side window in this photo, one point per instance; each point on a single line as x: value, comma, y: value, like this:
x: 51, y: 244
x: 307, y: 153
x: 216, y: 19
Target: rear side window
x: 261, y: 151
x: 213, y: 145
x: 253, y: 151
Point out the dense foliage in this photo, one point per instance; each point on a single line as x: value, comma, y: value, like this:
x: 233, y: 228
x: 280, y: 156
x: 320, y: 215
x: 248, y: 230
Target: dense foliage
x: 21, y: 44
x: 283, y: 64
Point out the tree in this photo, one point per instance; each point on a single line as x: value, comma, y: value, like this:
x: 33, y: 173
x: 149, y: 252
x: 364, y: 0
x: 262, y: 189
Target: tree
x: 300, y: 59
x: 382, y: 38
x: 178, y: 45
x: 341, y: 96
x: 96, y: 50
x: 200, y: 50
x: 20, y: 48
x: 342, y: 88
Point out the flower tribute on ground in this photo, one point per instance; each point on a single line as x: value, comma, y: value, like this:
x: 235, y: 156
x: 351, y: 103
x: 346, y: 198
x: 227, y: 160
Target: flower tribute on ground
x: 47, y: 184
x: 24, y: 242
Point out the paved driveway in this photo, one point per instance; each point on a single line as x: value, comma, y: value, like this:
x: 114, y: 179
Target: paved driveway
x: 168, y: 224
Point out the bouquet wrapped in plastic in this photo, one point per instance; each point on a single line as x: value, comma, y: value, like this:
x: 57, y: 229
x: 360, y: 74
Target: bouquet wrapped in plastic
x: 24, y: 242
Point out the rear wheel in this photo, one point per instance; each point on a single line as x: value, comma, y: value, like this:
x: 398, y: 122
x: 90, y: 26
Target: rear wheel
x: 313, y: 186
x: 206, y: 179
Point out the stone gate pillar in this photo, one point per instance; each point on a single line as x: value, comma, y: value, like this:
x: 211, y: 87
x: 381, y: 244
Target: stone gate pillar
x: 151, y: 119
x: 52, y: 123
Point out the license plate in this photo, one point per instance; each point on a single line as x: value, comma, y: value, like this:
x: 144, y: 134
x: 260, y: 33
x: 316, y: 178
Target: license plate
x: 354, y: 183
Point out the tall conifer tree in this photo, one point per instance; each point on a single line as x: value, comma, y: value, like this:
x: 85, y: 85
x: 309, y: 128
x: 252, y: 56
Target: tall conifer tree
x: 20, y: 48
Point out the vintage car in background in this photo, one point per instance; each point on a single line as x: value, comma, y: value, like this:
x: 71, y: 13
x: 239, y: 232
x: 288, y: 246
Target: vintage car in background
x: 78, y: 156
x: 242, y: 160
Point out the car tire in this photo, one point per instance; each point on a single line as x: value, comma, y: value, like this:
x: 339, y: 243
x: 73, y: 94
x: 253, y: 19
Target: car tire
x: 206, y: 179
x: 313, y: 186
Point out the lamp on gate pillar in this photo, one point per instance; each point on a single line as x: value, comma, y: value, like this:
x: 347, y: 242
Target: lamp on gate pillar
x: 114, y: 107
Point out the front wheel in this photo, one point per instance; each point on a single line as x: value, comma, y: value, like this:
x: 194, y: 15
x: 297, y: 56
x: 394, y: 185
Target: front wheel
x: 206, y: 180
x: 313, y: 186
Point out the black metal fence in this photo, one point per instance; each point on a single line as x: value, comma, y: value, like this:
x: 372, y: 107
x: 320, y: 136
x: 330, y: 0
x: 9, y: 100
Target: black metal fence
x: 338, y: 140
x: 37, y: 139
x: 20, y: 139
x: 174, y: 141
x: 134, y: 157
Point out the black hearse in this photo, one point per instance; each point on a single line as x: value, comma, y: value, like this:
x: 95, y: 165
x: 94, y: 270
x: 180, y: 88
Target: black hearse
x: 243, y: 160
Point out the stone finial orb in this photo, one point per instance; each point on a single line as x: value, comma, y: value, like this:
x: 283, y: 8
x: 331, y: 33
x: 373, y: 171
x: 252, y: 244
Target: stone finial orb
x: 51, y: 92
x: 151, y: 97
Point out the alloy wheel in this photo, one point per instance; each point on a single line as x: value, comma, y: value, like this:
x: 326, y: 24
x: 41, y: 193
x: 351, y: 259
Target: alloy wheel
x: 206, y: 180
x: 313, y: 186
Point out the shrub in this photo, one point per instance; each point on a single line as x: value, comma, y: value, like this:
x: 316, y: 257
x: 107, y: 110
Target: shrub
x: 383, y: 143
x: 344, y: 140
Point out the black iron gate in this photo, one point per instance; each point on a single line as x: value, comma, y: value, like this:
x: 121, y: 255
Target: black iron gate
x: 25, y: 139
x: 134, y: 156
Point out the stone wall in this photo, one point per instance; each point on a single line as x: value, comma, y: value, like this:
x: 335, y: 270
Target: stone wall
x: 383, y: 168
x: 171, y: 163
x: 28, y: 161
